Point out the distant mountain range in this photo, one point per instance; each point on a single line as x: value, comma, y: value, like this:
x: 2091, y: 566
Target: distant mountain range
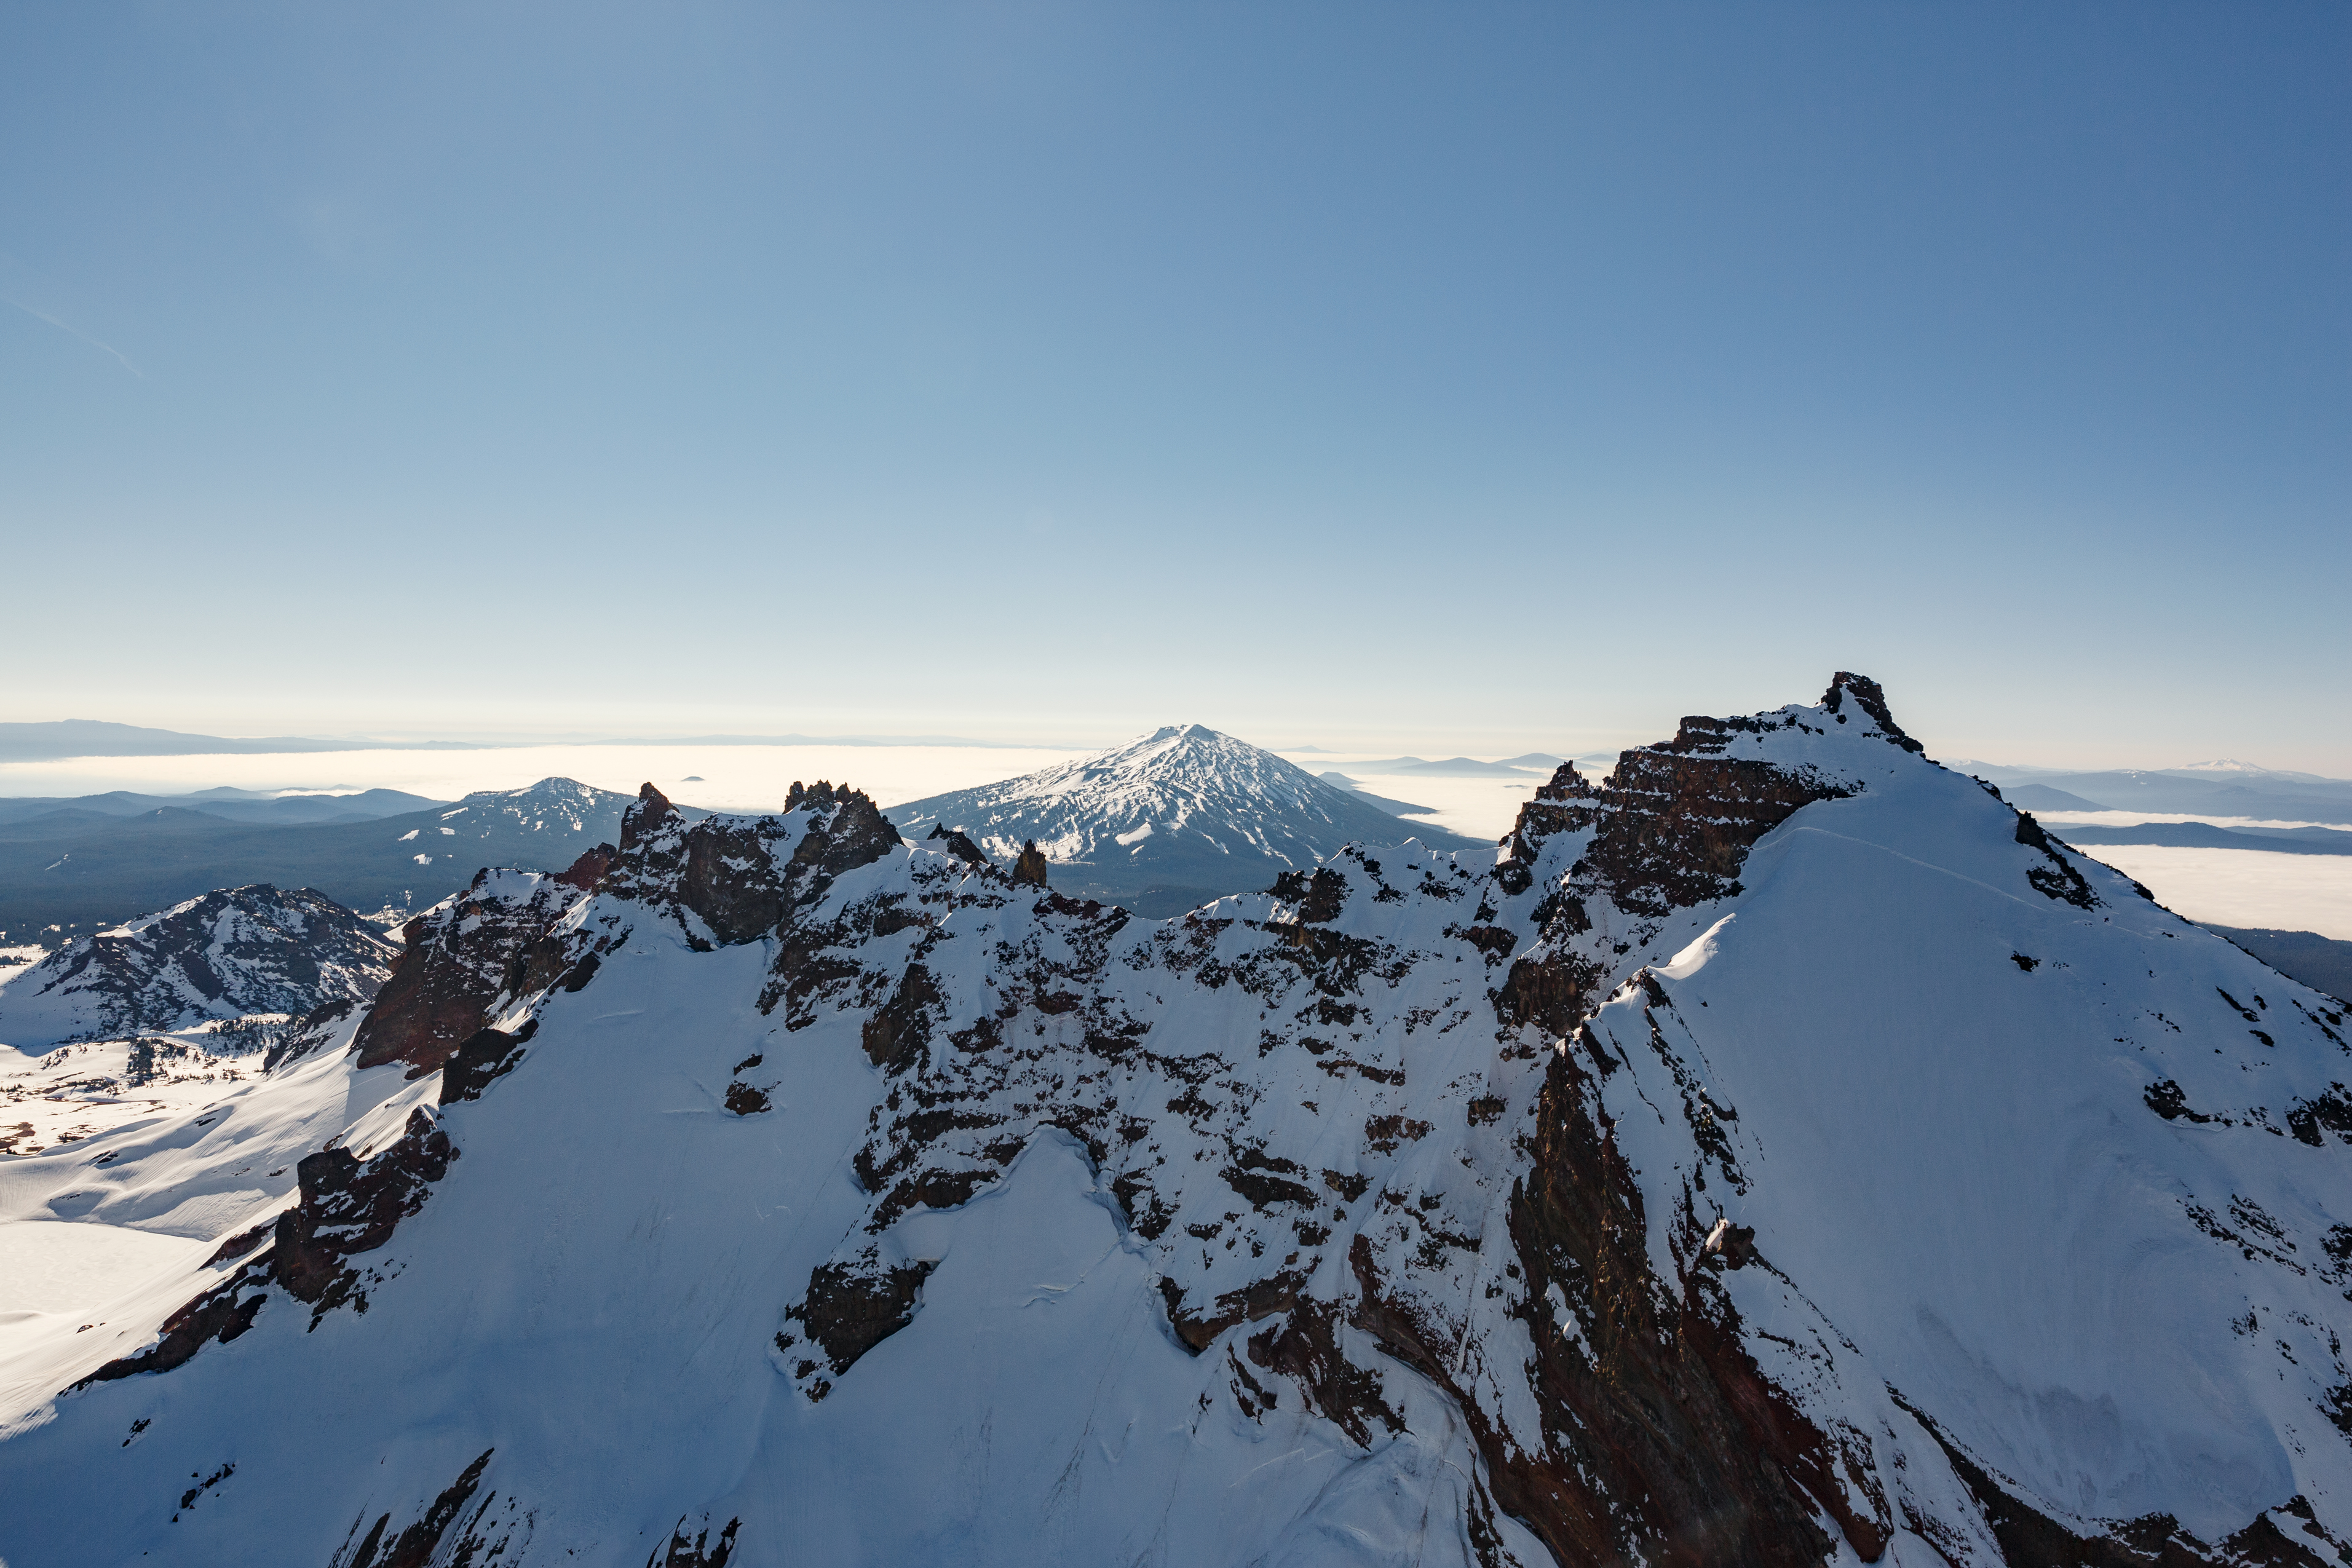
x: 95, y: 737
x: 231, y: 804
x: 62, y: 738
x: 1169, y: 821
x: 1394, y: 807
x: 79, y: 868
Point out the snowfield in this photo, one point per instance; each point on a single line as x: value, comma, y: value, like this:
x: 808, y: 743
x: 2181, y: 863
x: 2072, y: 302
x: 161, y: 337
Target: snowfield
x: 1789, y: 1153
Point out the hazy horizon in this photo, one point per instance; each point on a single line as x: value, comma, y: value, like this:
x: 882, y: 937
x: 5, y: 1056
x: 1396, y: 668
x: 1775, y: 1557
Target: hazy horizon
x: 97, y: 765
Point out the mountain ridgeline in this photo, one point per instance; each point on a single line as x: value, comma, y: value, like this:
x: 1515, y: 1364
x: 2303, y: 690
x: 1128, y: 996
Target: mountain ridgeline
x: 1786, y: 1153
x: 228, y: 954
x: 1170, y: 821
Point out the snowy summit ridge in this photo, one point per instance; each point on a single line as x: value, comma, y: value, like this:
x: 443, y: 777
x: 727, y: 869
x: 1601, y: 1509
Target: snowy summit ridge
x: 1787, y: 1152
x: 1183, y: 812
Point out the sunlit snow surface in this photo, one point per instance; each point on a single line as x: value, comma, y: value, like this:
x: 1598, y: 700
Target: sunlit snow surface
x: 1937, y: 1084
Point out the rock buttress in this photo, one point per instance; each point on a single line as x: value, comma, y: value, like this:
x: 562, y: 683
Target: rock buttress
x: 349, y: 1208
x: 490, y: 944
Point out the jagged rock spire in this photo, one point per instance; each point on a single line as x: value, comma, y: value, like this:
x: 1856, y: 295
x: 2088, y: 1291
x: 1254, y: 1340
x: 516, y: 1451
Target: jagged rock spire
x: 1872, y: 699
x: 653, y: 807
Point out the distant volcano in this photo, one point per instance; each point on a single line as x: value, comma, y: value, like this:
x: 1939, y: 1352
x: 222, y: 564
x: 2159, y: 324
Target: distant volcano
x: 1172, y: 820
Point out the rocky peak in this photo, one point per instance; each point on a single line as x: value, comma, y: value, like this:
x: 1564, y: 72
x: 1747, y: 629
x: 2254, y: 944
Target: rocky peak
x: 646, y: 817
x: 1030, y: 868
x: 955, y: 843
x: 732, y: 879
x: 1872, y: 702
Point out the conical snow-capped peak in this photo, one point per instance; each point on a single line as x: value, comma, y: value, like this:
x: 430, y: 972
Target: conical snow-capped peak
x: 1184, y: 809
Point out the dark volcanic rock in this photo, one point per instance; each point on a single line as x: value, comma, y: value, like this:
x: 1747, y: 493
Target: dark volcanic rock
x: 955, y: 843
x: 1030, y: 868
x: 731, y: 879
x: 1670, y: 831
x: 419, y: 1544
x: 488, y: 946
x: 852, y: 1306
x: 487, y: 1056
x: 217, y: 1316
x: 349, y: 1207
x: 1871, y: 702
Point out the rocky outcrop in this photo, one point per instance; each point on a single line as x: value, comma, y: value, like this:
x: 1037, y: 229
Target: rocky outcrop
x: 216, y: 1317
x: 349, y: 1206
x: 1669, y: 831
x: 1870, y: 701
x: 2059, y: 879
x: 732, y: 879
x: 488, y: 1055
x: 418, y: 1543
x: 709, y: 1547
x: 1029, y: 867
x: 227, y: 955
x: 954, y: 842
x: 849, y: 1308
x: 470, y: 957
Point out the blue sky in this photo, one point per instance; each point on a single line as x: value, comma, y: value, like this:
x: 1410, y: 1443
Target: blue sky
x: 1475, y: 378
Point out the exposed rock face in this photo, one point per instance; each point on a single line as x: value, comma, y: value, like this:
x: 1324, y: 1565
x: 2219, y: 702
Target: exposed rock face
x: 1029, y: 867
x: 2061, y: 878
x: 226, y: 955
x: 732, y: 879
x: 417, y: 1544
x: 850, y: 1307
x: 1684, y: 1451
x: 349, y: 1207
x: 1669, y: 832
x: 956, y: 844
x: 218, y: 1316
x: 468, y: 959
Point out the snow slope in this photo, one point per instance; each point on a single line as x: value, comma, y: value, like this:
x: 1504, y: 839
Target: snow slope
x: 1184, y: 814
x: 1787, y: 1154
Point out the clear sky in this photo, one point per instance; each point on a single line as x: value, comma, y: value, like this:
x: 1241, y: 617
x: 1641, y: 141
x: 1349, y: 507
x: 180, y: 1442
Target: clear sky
x: 1477, y: 378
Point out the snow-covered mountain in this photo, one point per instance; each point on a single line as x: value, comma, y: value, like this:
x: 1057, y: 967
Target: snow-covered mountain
x: 241, y: 951
x: 1788, y: 1153
x: 1170, y: 820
